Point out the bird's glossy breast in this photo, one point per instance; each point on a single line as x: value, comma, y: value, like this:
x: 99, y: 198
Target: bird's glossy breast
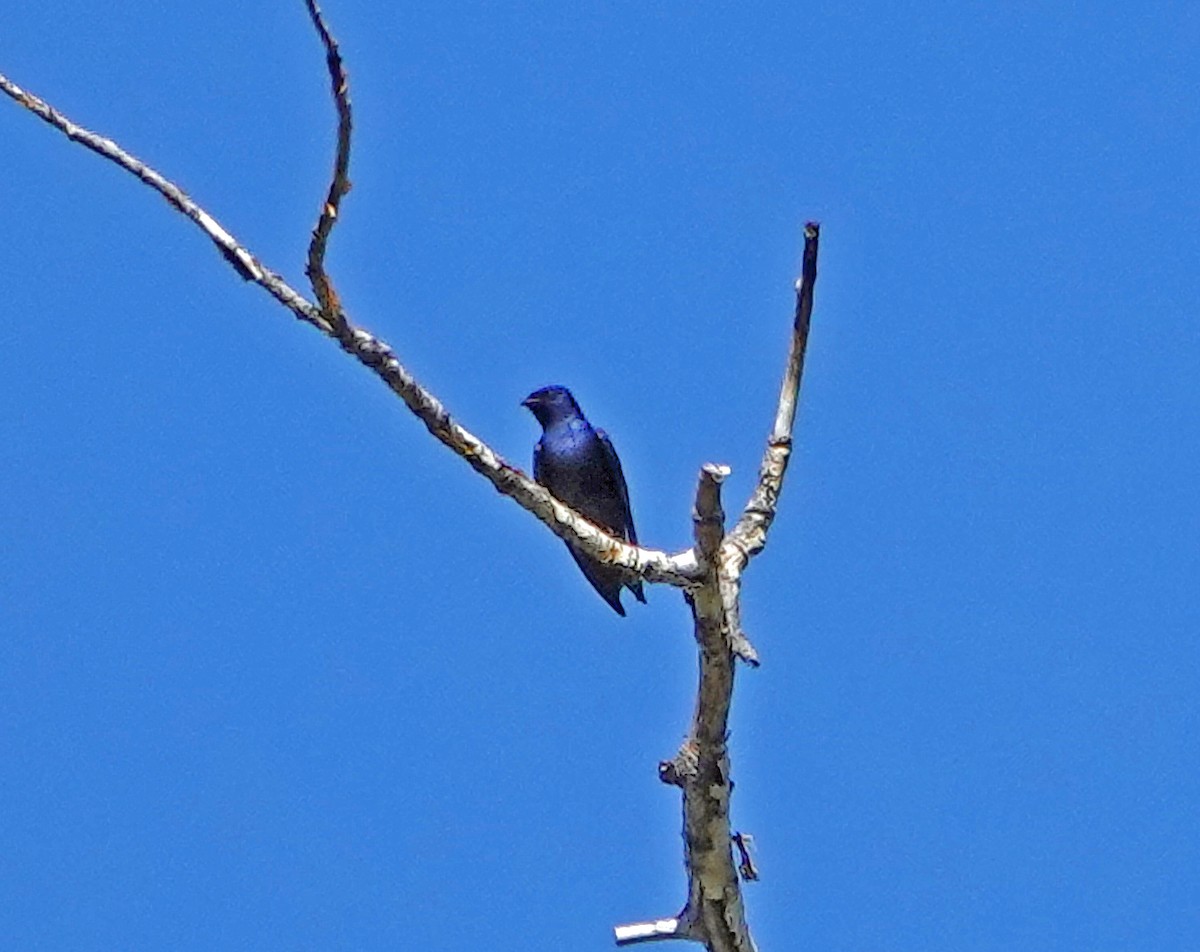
x: 577, y: 472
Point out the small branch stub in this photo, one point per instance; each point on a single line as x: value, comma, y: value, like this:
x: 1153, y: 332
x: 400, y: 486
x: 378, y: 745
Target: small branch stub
x: 708, y: 516
x: 654, y: 931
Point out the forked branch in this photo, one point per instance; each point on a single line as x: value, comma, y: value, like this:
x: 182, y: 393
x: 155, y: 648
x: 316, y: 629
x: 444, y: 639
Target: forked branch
x: 709, y: 572
x: 715, y: 912
x: 654, y: 565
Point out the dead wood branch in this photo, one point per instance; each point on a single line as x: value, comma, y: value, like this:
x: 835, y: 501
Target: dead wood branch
x: 715, y: 912
x: 709, y: 573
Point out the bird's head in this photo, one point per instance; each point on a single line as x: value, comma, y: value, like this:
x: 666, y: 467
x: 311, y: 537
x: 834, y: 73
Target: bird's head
x: 551, y: 404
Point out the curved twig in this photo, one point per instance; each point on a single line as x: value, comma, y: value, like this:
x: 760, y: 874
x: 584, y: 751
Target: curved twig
x: 339, y: 185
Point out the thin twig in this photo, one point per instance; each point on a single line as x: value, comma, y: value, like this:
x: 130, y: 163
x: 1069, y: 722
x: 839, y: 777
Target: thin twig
x: 744, y: 843
x: 750, y: 533
x: 242, y: 260
x: 749, y: 536
x: 655, y: 930
x: 339, y: 185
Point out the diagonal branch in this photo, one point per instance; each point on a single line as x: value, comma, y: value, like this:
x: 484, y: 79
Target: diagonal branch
x: 339, y: 185
x: 653, y: 565
x: 242, y: 261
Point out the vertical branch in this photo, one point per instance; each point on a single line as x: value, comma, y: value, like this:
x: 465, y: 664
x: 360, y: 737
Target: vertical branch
x: 708, y: 518
x: 339, y: 185
x: 715, y: 912
x: 749, y: 536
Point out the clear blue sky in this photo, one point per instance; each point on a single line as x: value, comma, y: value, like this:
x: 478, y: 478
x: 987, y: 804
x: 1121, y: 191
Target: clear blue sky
x: 278, y: 672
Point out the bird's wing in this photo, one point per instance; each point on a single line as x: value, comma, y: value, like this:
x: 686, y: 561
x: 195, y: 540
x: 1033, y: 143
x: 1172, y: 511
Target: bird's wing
x: 538, y: 473
x: 618, y: 478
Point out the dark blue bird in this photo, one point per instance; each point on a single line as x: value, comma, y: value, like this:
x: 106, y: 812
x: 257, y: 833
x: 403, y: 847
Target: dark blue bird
x: 579, y: 466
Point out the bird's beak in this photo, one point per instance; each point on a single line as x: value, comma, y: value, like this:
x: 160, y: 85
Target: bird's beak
x: 527, y: 403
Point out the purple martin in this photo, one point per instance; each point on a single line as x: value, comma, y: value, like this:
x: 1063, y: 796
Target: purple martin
x: 579, y: 466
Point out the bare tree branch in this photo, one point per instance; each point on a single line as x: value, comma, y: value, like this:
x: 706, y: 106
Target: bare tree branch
x: 708, y: 516
x: 339, y: 185
x: 243, y: 262
x: 651, y: 564
x: 750, y: 533
x: 749, y: 536
x: 709, y: 573
x: 653, y: 931
x: 715, y: 912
